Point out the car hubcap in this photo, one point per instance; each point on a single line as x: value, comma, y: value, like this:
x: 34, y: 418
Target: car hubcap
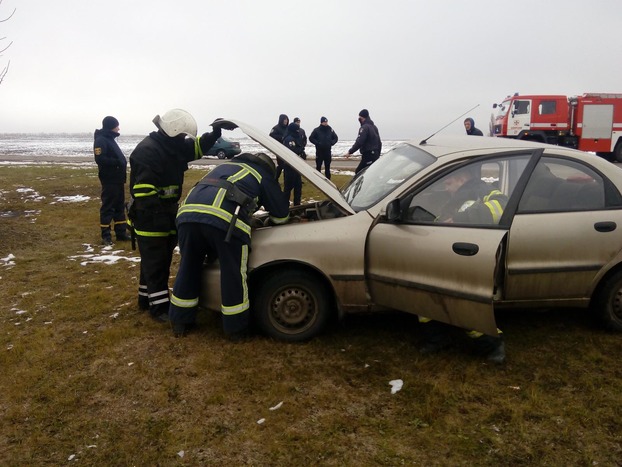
x: 617, y: 304
x: 292, y: 310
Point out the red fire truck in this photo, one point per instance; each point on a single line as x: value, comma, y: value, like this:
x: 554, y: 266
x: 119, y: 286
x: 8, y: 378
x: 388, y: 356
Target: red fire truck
x: 591, y: 122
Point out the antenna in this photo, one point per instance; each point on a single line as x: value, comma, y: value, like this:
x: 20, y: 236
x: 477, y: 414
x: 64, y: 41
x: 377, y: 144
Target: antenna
x: 426, y: 140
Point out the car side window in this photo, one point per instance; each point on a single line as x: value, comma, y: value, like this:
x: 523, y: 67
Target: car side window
x: 560, y: 185
x: 472, y: 194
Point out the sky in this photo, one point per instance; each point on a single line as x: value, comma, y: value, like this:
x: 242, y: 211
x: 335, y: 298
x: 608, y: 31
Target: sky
x: 415, y: 65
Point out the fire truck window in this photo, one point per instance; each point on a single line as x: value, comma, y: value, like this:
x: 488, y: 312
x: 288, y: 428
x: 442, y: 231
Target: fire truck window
x: 521, y: 107
x: 547, y: 107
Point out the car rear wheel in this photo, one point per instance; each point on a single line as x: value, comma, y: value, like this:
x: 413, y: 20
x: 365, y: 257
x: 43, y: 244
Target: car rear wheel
x: 291, y: 305
x: 221, y: 154
x: 609, y: 302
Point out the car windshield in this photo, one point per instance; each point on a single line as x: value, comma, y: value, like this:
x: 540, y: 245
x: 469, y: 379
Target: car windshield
x: 384, y: 175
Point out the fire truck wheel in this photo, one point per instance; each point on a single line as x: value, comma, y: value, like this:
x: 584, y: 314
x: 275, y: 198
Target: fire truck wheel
x: 617, y: 152
x: 608, y: 302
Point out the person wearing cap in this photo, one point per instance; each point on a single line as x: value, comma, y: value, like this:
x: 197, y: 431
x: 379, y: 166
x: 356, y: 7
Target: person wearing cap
x: 157, y: 167
x: 469, y: 126
x: 214, y: 221
x: 324, y: 138
x: 303, y: 137
x: 367, y: 141
x: 112, y: 173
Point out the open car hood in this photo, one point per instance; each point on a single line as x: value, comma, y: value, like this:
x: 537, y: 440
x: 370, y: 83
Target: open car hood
x: 318, y: 179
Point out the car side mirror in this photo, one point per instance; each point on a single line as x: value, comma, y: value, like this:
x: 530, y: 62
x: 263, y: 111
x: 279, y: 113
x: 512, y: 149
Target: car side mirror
x: 394, y: 211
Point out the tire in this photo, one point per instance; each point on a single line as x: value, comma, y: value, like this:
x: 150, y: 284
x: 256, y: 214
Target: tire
x: 617, y: 152
x: 608, y: 303
x: 291, y: 305
x: 221, y: 154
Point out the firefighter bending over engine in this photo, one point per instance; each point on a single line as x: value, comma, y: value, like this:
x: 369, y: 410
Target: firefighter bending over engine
x: 214, y: 221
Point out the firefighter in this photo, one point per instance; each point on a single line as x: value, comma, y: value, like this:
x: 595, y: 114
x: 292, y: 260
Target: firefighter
x: 112, y: 172
x: 157, y: 167
x: 214, y: 222
x: 469, y: 126
x: 472, y: 201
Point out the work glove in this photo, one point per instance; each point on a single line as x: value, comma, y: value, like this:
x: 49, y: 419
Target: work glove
x: 224, y: 124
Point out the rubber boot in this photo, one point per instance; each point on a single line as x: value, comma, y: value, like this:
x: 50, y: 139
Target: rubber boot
x: 120, y: 231
x: 106, y: 236
x: 491, y: 347
x: 436, y: 336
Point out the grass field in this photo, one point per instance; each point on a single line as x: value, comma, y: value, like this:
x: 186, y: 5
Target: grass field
x: 87, y: 378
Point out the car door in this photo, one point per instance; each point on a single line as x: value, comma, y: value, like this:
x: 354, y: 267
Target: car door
x: 565, y: 231
x: 443, y: 270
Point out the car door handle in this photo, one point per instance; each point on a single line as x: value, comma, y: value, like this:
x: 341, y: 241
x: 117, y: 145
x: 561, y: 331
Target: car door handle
x: 465, y: 249
x: 605, y: 226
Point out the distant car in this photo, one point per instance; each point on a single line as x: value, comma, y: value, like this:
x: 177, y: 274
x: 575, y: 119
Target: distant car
x: 224, y: 148
x: 380, y: 243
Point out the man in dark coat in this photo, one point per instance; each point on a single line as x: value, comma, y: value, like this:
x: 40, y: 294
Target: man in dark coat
x: 368, y: 142
x: 469, y: 126
x: 208, y: 226
x: 324, y: 138
x: 278, y: 133
x: 157, y: 171
x: 112, y: 167
x: 291, y: 178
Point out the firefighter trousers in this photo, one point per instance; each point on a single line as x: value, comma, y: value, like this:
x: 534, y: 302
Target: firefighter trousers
x: 156, y: 254
x: 112, y: 209
x: 196, y: 242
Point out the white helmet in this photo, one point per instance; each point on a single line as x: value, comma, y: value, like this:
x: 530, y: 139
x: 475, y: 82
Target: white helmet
x: 175, y: 122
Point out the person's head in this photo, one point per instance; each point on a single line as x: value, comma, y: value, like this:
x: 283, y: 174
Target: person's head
x: 469, y: 124
x: 363, y: 115
x: 283, y: 120
x: 458, y: 178
x: 323, y: 121
x: 266, y: 161
x: 293, y: 128
x: 297, y: 121
x: 110, y: 123
x: 176, y: 122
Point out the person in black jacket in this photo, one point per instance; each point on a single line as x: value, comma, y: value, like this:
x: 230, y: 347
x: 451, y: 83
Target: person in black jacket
x: 214, y: 221
x: 291, y: 178
x: 157, y: 171
x: 112, y: 171
x: 368, y: 141
x: 278, y: 133
x: 324, y: 138
x: 469, y: 126
x: 303, y: 138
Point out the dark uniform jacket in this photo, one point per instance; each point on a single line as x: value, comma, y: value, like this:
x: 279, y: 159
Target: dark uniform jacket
x: 368, y: 139
x: 323, y: 137
x: 293, y: 140
x: 157, y: 171
x: 207, y: 203
x: 278, y: 131
x: 111, y: 162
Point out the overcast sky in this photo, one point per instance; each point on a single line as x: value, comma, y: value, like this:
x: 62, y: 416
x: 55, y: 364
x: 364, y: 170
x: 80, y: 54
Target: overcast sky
x: 415, y: 64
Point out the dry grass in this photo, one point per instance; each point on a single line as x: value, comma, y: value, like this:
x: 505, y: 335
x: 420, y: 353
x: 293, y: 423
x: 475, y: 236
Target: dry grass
x: 85, y: 374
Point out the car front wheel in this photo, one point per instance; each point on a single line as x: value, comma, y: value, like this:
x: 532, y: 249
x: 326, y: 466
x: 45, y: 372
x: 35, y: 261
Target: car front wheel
x: 609, y: 302
x: 291, y: 305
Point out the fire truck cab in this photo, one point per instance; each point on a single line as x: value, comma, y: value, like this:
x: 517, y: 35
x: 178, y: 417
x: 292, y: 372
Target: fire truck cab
x: 590, y: 122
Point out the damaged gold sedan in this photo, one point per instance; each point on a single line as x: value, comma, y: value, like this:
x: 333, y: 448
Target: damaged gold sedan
x: 382, y: 243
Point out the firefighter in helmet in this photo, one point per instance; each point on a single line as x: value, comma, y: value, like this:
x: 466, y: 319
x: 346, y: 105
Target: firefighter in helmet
x: 157, y: 171
x: 214, y: 221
